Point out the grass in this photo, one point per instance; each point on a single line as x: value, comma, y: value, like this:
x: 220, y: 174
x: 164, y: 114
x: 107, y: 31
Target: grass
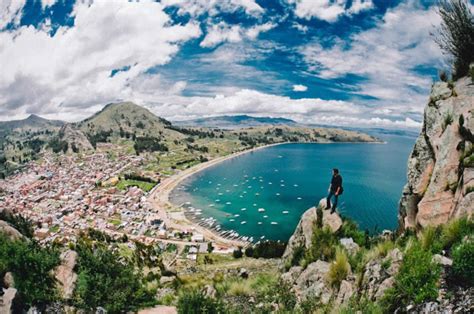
x: 115, y: 222
x: 144, y: 186
x: 54, y: 229
x: 448, y: 119
x: 339, y: 268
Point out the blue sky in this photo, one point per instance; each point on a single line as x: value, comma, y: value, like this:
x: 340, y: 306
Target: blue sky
x: 367, y: 63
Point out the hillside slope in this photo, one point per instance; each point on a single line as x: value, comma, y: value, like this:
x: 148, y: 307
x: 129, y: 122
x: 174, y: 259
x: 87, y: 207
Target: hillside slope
x: 441, y: 166
x: 234, y: 122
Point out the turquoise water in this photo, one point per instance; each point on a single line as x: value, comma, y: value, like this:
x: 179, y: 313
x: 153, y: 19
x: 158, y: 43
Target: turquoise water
x: 262, y: 194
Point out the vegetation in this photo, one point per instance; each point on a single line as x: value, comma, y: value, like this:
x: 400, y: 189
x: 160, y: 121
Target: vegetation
x: 323, y: 245
x: 20, y: 223
x: 456, y: 34
x: 108, y: 280
x: 195, y: 302
x: 150, y: 144
x: 145, y: 186
x: 463, y: 266
x: 58, y: 145
x: 448, y: 119
x: 31, y: 266
x: 416, y: 280
x: 339, y: 268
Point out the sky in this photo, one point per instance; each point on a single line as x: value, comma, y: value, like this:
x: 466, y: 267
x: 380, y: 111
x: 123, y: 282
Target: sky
x: 358, y: 63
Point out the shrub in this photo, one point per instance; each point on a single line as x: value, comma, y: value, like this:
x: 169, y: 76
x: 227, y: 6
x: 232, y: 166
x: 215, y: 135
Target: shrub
x: 298, y: 255
x: 416, y: 280
x: 31, y: 266
x: 195, y: 302
x: 269, y: 249
x: 20, y: 223
x: 463, y: 265
x: 319, y: 217
x: 456, y: 34
x: 323, y: 243
x: 455, y: 230
x: 362, y: 305
x: 429, y: 239
x: 249, y: 252
x: 350, y: 229
x: 339, y: 268
x: 105, y: 279
x: 237, y: 253
x: 448, y: 119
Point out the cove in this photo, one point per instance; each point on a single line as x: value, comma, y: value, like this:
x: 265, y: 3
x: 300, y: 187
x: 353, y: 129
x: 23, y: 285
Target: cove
x: 263, y: 193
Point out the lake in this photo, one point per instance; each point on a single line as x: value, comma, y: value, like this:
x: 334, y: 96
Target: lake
x: 262, y: 194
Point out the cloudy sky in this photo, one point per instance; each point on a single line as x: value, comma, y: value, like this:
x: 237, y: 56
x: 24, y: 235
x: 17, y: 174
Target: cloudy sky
x: 335, y: 62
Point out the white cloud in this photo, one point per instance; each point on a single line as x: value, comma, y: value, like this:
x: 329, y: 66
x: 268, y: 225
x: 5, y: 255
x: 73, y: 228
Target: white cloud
x: 223, y: 32
x: 47, y: 3
x: 300, y: 88
x: 72, y: 68
x: 386, y: 57
x: 254, y: 31
x: 213, y: 7
x: 10, y: 12
x: 328, y: 10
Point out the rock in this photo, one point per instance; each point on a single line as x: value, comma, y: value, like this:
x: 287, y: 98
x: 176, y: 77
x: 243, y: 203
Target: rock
x: 65, y: 274
x: 442, y: 260
x: 166, y: 279
x: 376, y: 279
x: 349, y: 245
x: 312, y: 282
x: 9, y: 231
x: 435, y: 191
x: 210, y: 291
x: 292, y: 274
x: 9, y: 301
x: 8, y: 280
x: 345, y: 293
x: 304, y: 230
x: 243, y: 273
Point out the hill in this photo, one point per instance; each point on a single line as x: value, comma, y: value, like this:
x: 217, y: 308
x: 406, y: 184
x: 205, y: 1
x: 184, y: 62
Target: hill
x: 32, y: 123
x: 234, y: 122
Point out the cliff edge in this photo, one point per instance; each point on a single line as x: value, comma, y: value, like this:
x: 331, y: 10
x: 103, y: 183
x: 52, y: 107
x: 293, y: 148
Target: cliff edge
x: 441, y: 165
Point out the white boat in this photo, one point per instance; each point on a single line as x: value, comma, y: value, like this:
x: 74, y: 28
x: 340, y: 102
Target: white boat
x: 243, y: 222
x: 261, y: 210
x: 228, y: 203
x: 259, y: 222
x: 265, y: 216
x: 299, y: 198
x: 285, y: 212
x: 274, y: 223
x: 243, y: 209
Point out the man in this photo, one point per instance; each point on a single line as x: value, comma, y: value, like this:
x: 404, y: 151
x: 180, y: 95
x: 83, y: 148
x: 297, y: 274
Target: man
x: 335, y: 189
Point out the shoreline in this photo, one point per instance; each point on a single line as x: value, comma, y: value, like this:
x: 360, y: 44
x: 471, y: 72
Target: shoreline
x: 159, y: 197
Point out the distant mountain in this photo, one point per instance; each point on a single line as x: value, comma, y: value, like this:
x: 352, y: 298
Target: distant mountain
x: 234, y: 122
x: 127, y: 119
x: 32, y: 123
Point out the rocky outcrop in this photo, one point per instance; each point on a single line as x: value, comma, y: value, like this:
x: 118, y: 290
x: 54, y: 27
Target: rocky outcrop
x: 304, y: 230
x: 9, y: 231
x: 76, y: 139
x: 440, y: 167
x: 65, y: 274
x: 9, y: 301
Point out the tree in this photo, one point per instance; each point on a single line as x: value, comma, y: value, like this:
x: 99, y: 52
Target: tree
x: 456, y: 34
x: 210, y: 248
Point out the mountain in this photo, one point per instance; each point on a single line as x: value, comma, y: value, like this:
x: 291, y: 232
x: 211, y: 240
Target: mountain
x: 234, y: 122
x: 127, y: 119
x: 441, y: 165
x: 32, y: 123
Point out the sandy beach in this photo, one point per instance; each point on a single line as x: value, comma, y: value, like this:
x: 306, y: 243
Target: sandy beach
x: 173, y: 215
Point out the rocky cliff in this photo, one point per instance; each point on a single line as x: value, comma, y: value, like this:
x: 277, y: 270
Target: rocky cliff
x: 441, y: 165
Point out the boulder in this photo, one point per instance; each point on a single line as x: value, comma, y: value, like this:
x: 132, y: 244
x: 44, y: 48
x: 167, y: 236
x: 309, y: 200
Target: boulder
x: 9, y: 231
x: 9, y: 301
x: 312, y: 283
x: 304, y: 230
x: 166, y: 279
x: 349, y: 245
x: 442, y: 260
x: 65, y: 274
x: 346, y: 291
x: 8, y: 280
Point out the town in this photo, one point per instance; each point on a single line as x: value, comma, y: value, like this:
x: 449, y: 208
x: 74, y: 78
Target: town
x: 64, y: 195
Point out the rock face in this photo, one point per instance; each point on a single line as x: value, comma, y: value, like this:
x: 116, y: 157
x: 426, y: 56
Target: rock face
x: 75, y: 138
x: 65, y: 274
x: 304, y: 229
x: 9, y: 231
x: 440, y: 168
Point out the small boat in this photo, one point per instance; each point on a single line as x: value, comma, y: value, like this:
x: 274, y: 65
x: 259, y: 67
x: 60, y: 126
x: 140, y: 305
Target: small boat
x: 274, y: 223
x: 232, y: 219
x: 243, y: 209
x: 299, y: 198
x: 236, y: 215
x: 243, y: 222
x: 265, y: 216
x: 228, y: 203
x: 261, y: 210
x: 259, y: 222
x: 285, y: 212
x: 277, y: 194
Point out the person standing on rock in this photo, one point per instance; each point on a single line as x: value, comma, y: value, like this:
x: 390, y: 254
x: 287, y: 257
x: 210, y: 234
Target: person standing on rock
x: 335, y: 189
